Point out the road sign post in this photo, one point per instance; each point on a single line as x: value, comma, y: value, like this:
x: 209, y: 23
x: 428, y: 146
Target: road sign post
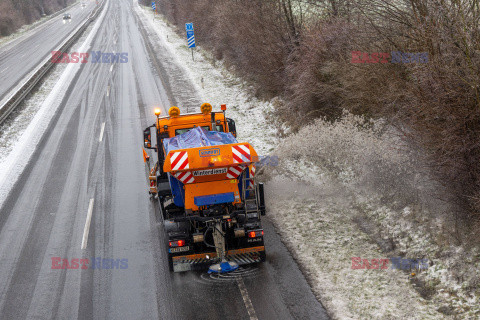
x: 190, y: 37
x: 154, y: 7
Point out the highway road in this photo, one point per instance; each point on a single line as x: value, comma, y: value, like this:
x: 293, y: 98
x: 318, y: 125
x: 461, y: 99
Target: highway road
x: 19, y: 57
x: 90, y: 161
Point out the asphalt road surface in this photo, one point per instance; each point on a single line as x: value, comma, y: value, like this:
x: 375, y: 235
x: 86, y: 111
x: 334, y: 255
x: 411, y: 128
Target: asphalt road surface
x: 22, y: 55
x: 90, y: 161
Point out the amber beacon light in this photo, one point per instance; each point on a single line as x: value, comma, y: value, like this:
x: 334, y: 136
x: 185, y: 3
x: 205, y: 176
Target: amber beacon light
x: 206, y: 108
x: 174, y: 111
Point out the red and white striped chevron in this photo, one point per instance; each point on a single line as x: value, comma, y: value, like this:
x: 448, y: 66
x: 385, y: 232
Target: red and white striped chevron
x: 241, y: 153
x: 185, y: 177
x: 179, y: 160
x: 234, y: 172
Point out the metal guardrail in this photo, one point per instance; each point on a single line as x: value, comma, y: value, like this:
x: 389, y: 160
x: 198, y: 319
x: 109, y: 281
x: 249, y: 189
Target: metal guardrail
x: 30, y: 81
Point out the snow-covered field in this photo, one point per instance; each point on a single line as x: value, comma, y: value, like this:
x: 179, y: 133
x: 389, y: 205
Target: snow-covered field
x: 341, y: 191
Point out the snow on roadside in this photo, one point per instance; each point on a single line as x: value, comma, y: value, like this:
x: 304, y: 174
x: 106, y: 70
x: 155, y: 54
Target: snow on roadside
x: 21, y: 136
x: 315, y: 220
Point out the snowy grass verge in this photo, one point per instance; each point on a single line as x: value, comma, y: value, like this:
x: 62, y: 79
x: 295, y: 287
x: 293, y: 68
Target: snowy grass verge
x: 315, y: 222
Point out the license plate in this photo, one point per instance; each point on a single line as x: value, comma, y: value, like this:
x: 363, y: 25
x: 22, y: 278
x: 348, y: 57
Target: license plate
x: 179, y: 249
x: 182, y: 267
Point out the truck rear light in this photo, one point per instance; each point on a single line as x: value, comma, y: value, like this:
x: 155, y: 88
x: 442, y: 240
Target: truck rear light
x: 177, y: 243
x: 255, y: 233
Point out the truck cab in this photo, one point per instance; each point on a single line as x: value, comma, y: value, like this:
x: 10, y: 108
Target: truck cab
x: 175, y: 124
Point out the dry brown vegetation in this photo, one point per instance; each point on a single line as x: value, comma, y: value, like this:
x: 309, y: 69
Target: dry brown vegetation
x: 301, y: 50
x: 14, y: 14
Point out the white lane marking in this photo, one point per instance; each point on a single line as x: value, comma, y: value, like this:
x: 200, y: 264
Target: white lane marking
x: 87, y: 224
x: 5, y: 69
x: 246, y: 299
x: 111, y: 68
x: 108, y: 91
x: 101, y: 132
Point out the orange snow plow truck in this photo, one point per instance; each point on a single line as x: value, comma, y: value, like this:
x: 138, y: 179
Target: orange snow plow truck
x: 204, y: 182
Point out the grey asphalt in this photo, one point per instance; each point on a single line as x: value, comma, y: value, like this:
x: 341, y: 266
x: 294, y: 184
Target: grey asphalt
x: 20, y: 56
x: 45, y: 214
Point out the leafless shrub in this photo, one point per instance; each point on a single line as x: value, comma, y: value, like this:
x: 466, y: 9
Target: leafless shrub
x: 358, y: 151
x: 314, y: 71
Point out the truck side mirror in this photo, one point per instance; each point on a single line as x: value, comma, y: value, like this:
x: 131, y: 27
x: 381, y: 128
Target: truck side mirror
x: 231, y: 127
x: 147, y: 138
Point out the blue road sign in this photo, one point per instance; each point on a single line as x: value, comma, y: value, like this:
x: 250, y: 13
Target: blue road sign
x: 190, y: 35
x: 153, y: 5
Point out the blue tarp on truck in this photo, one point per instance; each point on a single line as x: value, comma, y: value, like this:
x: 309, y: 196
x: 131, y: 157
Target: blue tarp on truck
x: 198, y: 137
